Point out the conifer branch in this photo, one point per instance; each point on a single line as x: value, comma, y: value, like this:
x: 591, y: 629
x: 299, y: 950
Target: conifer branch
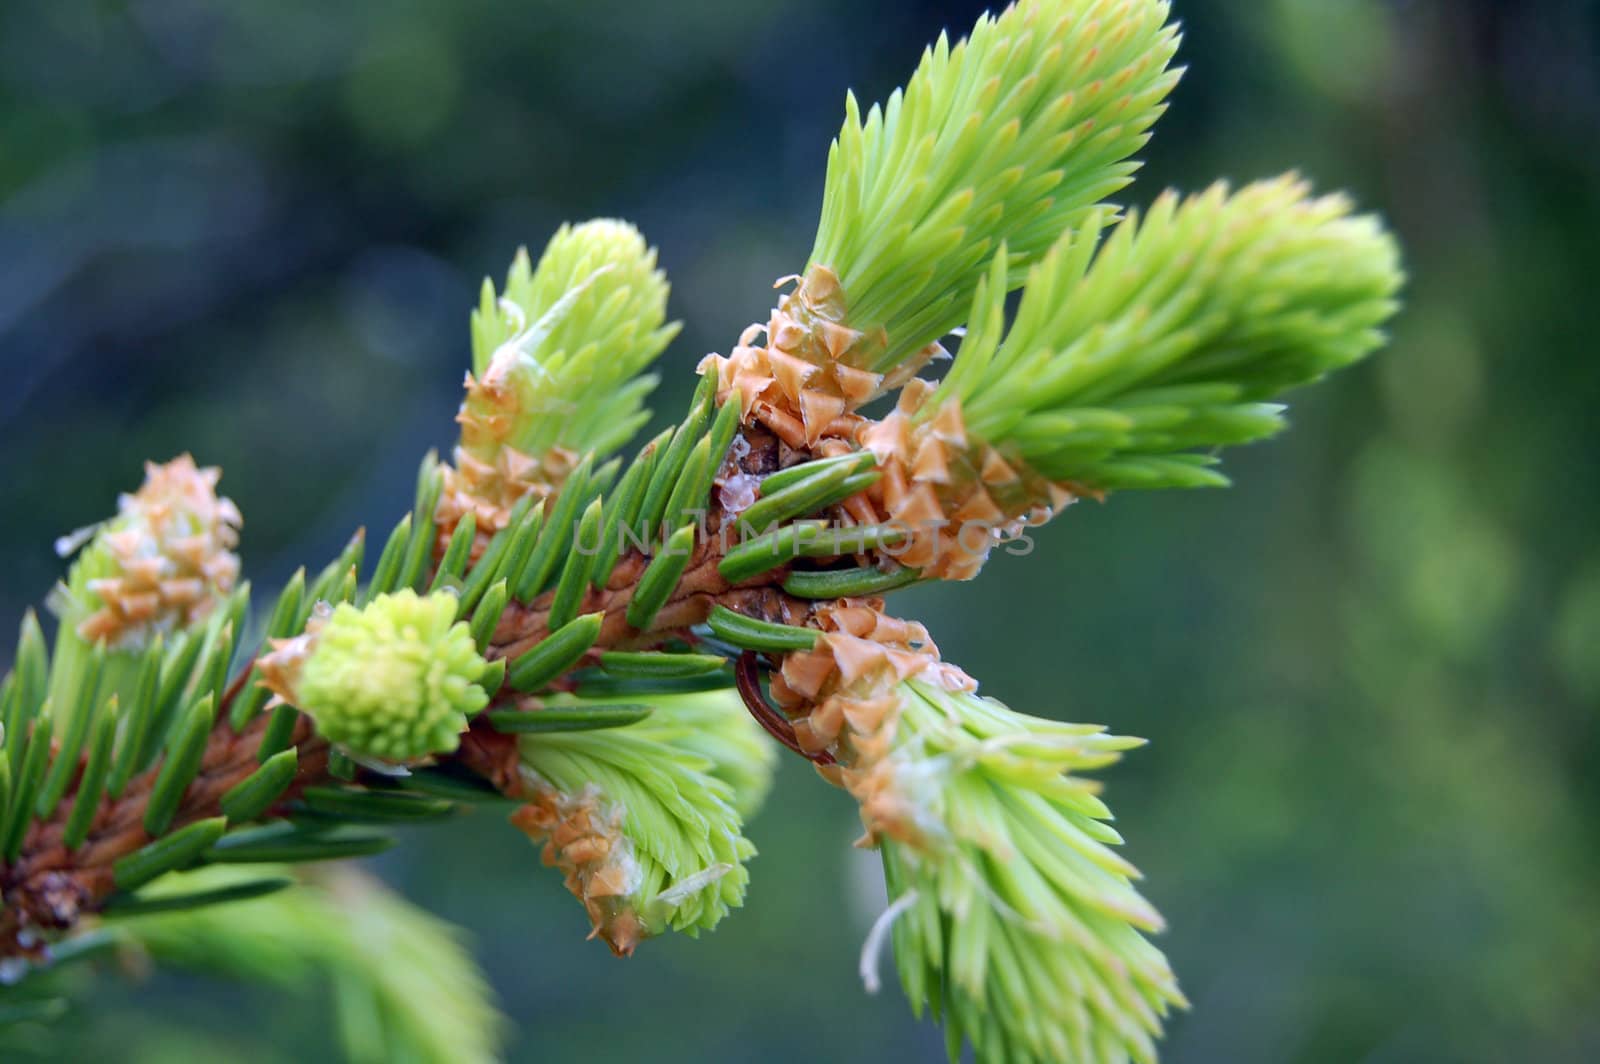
x: 585, y: 637
x: 1010, y: 136
x: 1131, y: 356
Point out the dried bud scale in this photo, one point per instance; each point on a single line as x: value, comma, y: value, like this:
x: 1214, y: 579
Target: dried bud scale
x: 842, y: 699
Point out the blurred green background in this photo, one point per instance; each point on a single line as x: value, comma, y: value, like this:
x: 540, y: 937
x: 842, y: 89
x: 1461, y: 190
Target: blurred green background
x: 1370, y: 806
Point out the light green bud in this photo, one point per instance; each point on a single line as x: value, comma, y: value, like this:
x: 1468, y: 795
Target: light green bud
x: 396, y: 680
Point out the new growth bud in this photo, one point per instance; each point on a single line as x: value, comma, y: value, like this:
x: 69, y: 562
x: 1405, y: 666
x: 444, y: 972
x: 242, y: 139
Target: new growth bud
x: 556, y: 361
x: 393, y: 681
x: 996, y: 853
x: 160, y: 565
x: 1010, y: 136
x: 644, y: 821
x: 1140, y: 347
x: 1018, y: 923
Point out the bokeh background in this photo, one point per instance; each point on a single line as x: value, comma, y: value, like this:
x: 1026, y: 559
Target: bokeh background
x: 1370, y: 807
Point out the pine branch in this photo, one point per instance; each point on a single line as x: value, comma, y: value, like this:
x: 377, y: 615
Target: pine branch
x: 584, y: 637
x: 1020, y: 927
x: 1129, y: 362
x: 331, y: 671
x: 1009, y: 137
x: 1006, y: 139
x: 1131, y: 357
x: 51, y: 885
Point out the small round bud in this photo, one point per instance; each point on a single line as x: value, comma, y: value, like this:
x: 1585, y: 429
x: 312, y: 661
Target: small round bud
x: 395, y: 680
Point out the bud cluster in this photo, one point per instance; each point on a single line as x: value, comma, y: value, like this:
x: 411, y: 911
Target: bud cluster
x: 161, y: 564
x: 395, y: 681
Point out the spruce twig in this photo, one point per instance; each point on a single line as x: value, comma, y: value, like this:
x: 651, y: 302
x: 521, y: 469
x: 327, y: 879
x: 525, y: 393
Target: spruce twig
x: 609, y: 645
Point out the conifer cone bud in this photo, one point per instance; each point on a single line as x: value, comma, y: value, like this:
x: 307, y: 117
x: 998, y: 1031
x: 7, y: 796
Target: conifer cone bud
x: 958, y: 496
x: 162, y: 563
x: 811, y: 376
x: 844, y: 698
x: 394, y: 681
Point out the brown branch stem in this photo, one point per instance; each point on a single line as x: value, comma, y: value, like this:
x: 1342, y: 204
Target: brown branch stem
x: 50, y: 888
